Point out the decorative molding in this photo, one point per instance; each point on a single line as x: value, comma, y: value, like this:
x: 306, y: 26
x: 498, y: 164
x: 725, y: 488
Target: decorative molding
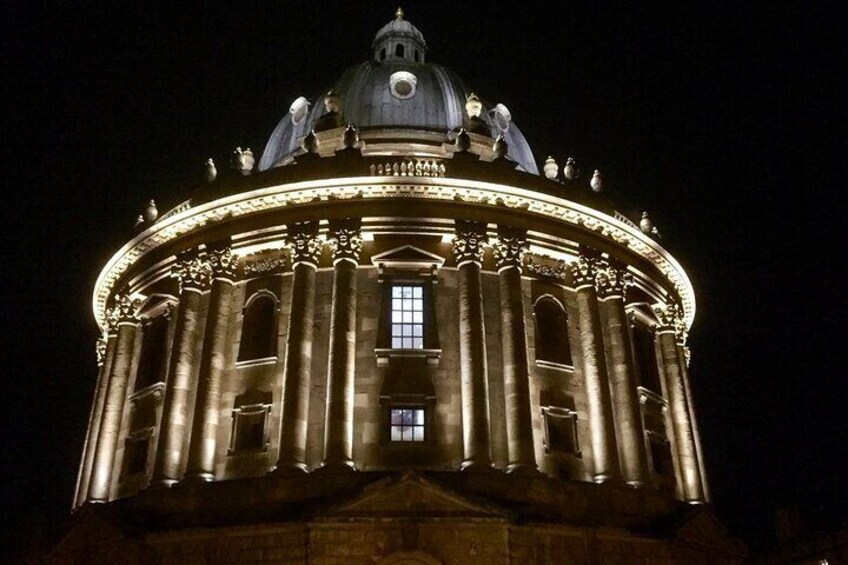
x: 125, y: 309
x: 257, y: 265
x: 611, y: 281
x: 583, y: 270
x: 346, y: 240
x: 671, y: 318
x: 468, y: 243
x: 271, y: 198
x: 304, y: 243
x: 509, y: 248
x: 687, y: 354
x: 409, y: 168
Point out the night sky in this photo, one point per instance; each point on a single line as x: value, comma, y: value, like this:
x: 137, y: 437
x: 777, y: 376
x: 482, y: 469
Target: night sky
x: 721, y: 119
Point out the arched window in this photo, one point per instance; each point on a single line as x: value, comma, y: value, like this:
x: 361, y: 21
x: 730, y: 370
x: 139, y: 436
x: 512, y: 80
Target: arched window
x: 416, y: 55
x: 646, y: 358
x: 551, y: 332
x: 383, y: 54
x: 399, y: 50
x: 151, y: 362
x: 259, y: 329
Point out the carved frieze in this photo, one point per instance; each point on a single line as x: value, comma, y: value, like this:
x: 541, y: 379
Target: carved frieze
x: 346, y: 240
x: 546, y: 267
x: 260, y: 264
x: 510, y: 248
x: 304, y: 243
x: 469, y: 241
x: 611, y: 280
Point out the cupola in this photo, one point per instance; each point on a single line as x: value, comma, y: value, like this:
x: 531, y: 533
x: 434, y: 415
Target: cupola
x: 399, y: 40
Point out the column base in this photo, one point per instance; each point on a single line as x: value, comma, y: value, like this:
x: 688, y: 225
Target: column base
x: 198, y: 478
x: 637, y: 484
x: 472, y: 466
x: 162, y: 483
x: 337, y: 467
x: 523, y: 470
x: 289, y: 469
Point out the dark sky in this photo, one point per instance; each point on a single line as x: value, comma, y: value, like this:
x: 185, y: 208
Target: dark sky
x: 722, y: 119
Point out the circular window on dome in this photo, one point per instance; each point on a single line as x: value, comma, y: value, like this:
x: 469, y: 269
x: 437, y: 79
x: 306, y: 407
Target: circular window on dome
x: 402, y: 85
x: 502, y: 117
x: 298, y: 110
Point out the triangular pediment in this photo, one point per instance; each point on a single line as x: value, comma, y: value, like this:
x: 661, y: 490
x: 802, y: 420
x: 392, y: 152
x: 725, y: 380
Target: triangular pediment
x: 407, y: 255
x: 411, y: 495
x: 702, y: 527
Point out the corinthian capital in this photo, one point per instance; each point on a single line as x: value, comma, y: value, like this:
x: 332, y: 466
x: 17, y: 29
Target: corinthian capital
x: 611, y: 280
x: 510, y: 247
x: 222, y: 262
x: 304, y: 243
x: 468, y: 243
x: 671, y: 317
x: 124, y: 310
x: 193, y: 271
x: 346, y: 240
x: 100, y: 349
x: 583, y: 270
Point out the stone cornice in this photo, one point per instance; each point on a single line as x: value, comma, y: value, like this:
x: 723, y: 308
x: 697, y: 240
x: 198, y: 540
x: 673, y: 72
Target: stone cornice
x: 267, y: 199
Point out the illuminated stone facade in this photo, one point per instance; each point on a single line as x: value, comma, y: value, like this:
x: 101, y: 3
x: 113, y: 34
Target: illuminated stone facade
x: 394, y: 342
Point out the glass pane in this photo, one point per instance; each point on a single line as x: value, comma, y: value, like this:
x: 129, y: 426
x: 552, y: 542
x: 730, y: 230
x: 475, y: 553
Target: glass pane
x: 407, y: 343
x: 396, y: 330
x: 408, y: 417
x: 396, y: 292
x: 396, y: 435
x: 396, y: 416
x: 397, y: 343
x: 407, y: 305
x: 418, y: 433
x: 418, y: 330
x: 407, y: 291
x: 418, y: 305
x: 407, y: 317
x: 417, y: 292
x: 419, y: 417
x: 397, y: 304
x: 417, y: 343
x: 397, y: 317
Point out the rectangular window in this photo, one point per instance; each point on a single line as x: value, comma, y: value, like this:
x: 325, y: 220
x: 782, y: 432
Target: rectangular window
x: 407, y: 317
x: 407, y: 424
x: 249, y: 433
x: 136, y: 454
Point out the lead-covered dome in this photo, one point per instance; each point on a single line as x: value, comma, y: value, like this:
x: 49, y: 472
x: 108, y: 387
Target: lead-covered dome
x: 396, y: 89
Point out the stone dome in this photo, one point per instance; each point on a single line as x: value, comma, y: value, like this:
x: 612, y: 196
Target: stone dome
x: 396, y: 89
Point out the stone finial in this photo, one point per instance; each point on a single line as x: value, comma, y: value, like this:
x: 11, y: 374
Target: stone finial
x: 468, y: 242
x: 346, y: 240
x: 463, y: 141
x: 138, y: 221
x: 192, y: 271
x: 222, y: 262
x: 583, y: 270
x: 350, y: 138
x: 570, y: 171
x: 500, y: 148
x: 304, y: 243
x: 597, y: 182
x: 647, y: 225
x: 243, y: 161
x: 473, y: 106
x: 509, y: 248
x: 611, y: 280
x: 210, y: 171
x: 151, y: 212
x: 551, y: 168
x: 399, y: 13
x: 310, y: 142
x: 331, y: 102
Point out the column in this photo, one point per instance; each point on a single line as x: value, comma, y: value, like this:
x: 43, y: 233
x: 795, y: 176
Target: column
x: 685, y: 356
x: 125, y: 317
x: 105, y: 355
x: 509, y: 250
x: 305, y: 251
x: 193, y: 273
x: 602, y: 432
x: 611, y: 282
x: 204, y: 429
x: 346, y: 242
x: 684, y: 437
x: 468, y: 249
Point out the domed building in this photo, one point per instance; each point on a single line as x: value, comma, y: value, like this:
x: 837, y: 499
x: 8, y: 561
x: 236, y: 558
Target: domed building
x: 393, y: 341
